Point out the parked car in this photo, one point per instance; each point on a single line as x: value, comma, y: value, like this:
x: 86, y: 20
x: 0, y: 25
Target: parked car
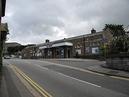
x: 7, y: 57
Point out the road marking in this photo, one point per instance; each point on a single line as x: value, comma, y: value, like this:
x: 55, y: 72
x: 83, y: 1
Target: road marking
x: 27, y: 85
x: 84, y: 70
x: 87, y: 71
x: 42, y: 91
x: 79, y: 80
x: 75, y: 68
x: 70, y: 77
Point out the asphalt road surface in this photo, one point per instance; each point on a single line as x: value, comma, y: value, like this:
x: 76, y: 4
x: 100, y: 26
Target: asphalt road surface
x: 71, y: 80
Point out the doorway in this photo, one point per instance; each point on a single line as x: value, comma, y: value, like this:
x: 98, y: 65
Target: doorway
x: 68, y: 53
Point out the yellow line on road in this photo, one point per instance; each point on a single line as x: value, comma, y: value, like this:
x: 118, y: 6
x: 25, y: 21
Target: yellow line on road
x: 27, y: 85
x: 42, y: 91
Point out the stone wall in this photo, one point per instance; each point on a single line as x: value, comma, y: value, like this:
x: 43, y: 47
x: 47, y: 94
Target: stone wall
x: 118, y: 63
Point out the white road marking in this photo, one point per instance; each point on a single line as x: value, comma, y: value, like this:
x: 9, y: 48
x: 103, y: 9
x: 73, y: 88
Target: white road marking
x: 84, y: 70
x: 79, y: 80
x: 75, y: 68
x: 70, y: 77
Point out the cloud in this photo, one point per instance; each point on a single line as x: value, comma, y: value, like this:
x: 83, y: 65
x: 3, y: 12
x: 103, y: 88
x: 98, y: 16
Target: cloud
x: 32, y: 21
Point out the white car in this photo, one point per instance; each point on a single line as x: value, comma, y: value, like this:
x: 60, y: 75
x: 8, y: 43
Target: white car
x: 7, y: 57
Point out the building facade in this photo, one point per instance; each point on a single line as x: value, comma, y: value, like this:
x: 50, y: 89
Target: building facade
x: 83, y: 45
x: 4, y: 32
x: 55, y: 49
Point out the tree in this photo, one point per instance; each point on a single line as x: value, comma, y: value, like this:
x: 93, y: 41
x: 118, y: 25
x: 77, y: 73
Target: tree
x: 120, y: 41
x: 116, y: 30
x: 13, y: 50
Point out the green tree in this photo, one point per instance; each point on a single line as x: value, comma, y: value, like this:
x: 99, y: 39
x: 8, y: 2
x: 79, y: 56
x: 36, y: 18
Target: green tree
x: 116, y: 30
x: 13, y: 50
x: 120, y: 41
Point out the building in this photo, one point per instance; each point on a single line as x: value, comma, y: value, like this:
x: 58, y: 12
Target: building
x: 2, y: 8
x: 79, y: 46
x: 55, y: 49
x: 3, y: 36
x: 2, y: 33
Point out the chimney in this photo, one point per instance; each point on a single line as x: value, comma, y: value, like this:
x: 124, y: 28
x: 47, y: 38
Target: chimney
x: 93, y: 31
x: 47, y: 41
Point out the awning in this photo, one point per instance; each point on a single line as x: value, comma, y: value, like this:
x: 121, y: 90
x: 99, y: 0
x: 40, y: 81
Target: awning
x: 62, y: 44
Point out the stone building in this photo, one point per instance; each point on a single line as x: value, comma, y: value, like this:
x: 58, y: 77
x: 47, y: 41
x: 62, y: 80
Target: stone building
x: 78, y: 46
x: 3, y: 33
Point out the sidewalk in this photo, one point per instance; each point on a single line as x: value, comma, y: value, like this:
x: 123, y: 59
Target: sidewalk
x: 103, y: 70
x: 10, y: 85
x: 69, y: 59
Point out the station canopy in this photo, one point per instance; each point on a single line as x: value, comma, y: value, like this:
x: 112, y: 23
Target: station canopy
x: 56, y: 45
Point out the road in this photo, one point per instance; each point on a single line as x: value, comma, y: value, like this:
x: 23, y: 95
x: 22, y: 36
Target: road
x: 71, y: 79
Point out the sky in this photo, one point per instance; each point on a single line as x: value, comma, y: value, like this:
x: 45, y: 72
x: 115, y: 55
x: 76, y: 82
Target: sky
x: 34, y: 21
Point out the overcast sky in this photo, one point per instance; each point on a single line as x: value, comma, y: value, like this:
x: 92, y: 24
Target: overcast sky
x: 33, y: 21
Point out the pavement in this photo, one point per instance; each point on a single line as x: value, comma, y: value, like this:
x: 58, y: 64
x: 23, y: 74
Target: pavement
x: 107, y: 71
x: 3, y: 88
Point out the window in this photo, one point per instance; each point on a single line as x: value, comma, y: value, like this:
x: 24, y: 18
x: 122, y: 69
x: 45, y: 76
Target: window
x: 95, y: 50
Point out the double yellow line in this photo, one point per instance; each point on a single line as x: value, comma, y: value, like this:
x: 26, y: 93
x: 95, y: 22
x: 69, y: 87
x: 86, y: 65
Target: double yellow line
x: 38, y: 88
